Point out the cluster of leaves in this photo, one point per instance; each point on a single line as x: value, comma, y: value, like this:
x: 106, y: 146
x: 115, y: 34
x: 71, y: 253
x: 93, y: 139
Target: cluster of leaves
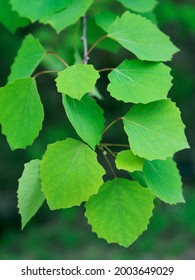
x: 69, y: 172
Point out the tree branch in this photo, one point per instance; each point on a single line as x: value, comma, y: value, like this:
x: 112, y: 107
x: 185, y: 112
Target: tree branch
x: 84, y: 40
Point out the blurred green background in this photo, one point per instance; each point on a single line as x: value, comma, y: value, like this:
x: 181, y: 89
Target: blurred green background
x: 66, y: 234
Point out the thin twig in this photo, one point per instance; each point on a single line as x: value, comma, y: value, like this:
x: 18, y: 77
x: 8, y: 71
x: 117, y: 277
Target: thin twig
x: 59, y: 58
x: 44, y: 72
x: 84, y: 40
x: 108, y: 162
x: 115, y: 145
x: 109, y: 150
x: 112, y: 123
x: 94, y: 45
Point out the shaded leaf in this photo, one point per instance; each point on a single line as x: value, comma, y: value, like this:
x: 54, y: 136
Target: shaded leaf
x: 133, y: 32
x: 77, y: 80
x: 163, y: 178
x: 35, y: 10
x: 30, y: 197
x: 120, y: 211
x: 86, y: 117
x: 21, y: 112
x: 10, y: 19
x: 140, y: 81
x: 126, y: 160
x: 28, y: 58
x: 140, y: 6
x: 70, y: 174
x: 105, y: 19
x: 155, y: 130
x: 74, y: 11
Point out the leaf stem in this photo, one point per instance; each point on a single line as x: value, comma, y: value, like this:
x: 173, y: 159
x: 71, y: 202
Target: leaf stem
x: 59, y: 58
x: 112, y: 123
x: 84, y: 40
x: 106, y: 69
x: 94, y: 45
x: 115, y: 145
x: 109, y: 150
x: 44, y: 72
x: 107, y: 160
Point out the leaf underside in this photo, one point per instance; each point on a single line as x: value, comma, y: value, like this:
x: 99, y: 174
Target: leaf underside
x: 30, y: 197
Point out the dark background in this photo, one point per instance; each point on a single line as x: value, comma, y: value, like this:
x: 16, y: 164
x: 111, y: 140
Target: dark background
x: 66, y: 234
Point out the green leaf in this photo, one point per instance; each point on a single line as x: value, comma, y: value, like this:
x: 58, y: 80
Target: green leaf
x: 120, y: 212
x: 164, y: 180
x: 29, y: 56
x: 21, y: 112
x: 138, y: 35
x: 140, y: 81
x: 35, y: 10
x: 105, y: 19
x: 139, y: 177
x: 140, y: 6
x: 10, y: 19
x: 70, y: 174
x: 77, y: 80
x: 155, y: 130
x: 126, y: 160
x: 30, y: 197
x: 66, y: 17
x: 86, y: 117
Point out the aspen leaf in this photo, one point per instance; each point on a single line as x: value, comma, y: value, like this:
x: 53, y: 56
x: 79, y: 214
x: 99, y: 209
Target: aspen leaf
x: 35, y: 10
x: 120, y: 211
x: 77, y: 80
x: 126, y: 160
x: 21, y: 112
x: 30, y: 197
x: 70, y: 174
x: 28, y: 58
x: 10, y: 19
x: 133, y: 32
x: 72, y: 12
x: 86, y: 117
x: 155, y: 130
x: 140, y: 81
x: 140, y: 6
x: 163, y: 178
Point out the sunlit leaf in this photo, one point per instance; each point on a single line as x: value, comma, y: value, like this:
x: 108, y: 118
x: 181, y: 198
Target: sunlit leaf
x: 120, y: 211
x: 133, y: 32
x: 77, y: 80
x: 155, y: 130
x: 70, y: 174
